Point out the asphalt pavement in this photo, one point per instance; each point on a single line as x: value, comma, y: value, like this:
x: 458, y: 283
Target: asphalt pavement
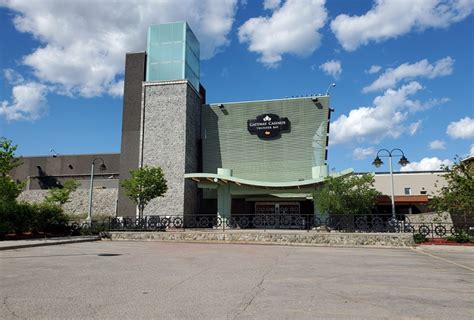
x: 164, y: 280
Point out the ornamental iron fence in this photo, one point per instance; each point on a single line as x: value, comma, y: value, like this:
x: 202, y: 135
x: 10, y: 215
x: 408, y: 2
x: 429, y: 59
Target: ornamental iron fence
x: 333, y: 223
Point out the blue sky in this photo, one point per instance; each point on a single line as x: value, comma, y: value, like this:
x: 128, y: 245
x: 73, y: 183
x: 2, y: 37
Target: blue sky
x: 404, y: 69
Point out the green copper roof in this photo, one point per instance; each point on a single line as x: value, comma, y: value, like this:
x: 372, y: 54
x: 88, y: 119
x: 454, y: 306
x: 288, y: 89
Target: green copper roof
x: 214, y: 178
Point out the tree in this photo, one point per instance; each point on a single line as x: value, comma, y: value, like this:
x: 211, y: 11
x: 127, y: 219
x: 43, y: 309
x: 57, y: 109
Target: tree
x: 457, y: 197
x: 8, y: 161
x: 61, y: 195
x: 144, y: 185
x: 9, y: 189
x: 354, y: 194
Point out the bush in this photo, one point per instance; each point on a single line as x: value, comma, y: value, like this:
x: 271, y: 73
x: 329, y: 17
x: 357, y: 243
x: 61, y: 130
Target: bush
x: 419, y: 238
x: 49, y: 218
x: 92, y: 231
x: 24, y: 217
x: 461, y: 237
x: 16, y: 217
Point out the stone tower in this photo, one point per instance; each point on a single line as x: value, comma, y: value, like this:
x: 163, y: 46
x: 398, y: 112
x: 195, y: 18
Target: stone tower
x: 161, y: 117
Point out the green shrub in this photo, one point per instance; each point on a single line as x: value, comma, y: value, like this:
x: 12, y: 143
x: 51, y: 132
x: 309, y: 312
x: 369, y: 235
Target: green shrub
x: 451, y: 238
x: 94, y: 230
x: 24, y: 217
x: 49, y: 218
x: 462, y: 237
x: 16, y: 217
x: 419, y: 238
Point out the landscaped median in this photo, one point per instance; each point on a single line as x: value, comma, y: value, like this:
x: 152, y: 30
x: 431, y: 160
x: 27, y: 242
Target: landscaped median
x: 297, y: 237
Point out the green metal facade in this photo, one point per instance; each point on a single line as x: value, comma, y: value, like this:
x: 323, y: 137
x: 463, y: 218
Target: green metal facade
x: 172, y: 53
x: 227, y: 143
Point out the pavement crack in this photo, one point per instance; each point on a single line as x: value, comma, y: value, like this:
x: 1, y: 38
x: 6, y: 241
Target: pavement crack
x: 5, y: 303
x: 189, y: 278
x: 258, y: 288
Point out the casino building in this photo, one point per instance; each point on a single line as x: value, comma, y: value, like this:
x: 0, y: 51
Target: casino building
x: 223, y: 158
x: 240, y: 157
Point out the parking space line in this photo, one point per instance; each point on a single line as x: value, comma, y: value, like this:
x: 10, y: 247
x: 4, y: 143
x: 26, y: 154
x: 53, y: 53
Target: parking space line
x: 446, y: 260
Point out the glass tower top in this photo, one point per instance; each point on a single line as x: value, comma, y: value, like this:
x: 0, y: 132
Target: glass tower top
x: 172, y: 53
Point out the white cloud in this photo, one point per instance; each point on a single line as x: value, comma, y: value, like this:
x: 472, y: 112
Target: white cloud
x: 386, y: 118
x: 373, y: 69
x: 437, y: 145
x: 292, y: 29
x: 12, y: 76
x: 413, y: 127
x: 271, y: 4
x: 332, y: 68
x: 83, y: 46
x: 116, y: 90
x: 363, y: 153
x: 28, y: 102
x: 462, y: 129
x: 391, y: 19
x: 427, y: 164
x: 423, y: 68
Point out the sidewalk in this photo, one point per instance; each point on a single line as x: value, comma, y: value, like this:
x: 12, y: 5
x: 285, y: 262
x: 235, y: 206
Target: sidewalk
x: 28, y: 243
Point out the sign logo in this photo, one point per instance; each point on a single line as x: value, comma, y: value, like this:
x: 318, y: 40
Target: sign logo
x: 268, y: 125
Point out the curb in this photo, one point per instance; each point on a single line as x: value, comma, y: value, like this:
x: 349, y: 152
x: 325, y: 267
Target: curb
x: 51, y: 243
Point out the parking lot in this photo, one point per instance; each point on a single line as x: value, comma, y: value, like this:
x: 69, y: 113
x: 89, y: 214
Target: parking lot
x: 158, y: 280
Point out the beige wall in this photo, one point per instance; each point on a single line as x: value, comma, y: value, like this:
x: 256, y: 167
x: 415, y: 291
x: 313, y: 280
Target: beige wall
x: 417, y: 181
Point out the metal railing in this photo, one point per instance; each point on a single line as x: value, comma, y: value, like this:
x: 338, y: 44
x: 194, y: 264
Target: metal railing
x: 333, y: 223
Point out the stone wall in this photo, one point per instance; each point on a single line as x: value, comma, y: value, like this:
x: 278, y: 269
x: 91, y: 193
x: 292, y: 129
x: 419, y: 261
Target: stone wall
x: 275, y: 237
x: 104, y: 201
x: 431, y: 217
x: 171, y: 129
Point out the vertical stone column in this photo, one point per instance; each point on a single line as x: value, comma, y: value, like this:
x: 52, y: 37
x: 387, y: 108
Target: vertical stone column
x: 169, y: 139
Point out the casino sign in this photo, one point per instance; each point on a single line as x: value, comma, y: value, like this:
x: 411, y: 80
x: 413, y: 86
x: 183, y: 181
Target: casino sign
x: 268, y: 125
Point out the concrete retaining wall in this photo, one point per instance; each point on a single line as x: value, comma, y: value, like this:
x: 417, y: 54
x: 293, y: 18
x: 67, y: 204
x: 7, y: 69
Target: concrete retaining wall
x: 275, y: 237
x: 104, y: 201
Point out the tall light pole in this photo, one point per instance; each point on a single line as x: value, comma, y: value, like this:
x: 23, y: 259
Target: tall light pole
x: 403, y: 162
x: 332, y: 85
x: 101, y: 167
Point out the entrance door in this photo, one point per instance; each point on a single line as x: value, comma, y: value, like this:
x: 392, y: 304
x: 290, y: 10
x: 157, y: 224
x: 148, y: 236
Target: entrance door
x: 277, y: 214
x: 288, y: 208
x: 265, y: 208
x: 278, y: 208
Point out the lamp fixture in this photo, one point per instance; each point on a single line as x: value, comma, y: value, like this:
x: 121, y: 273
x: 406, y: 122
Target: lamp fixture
x: 403, y: 162
x: 332, y: 85
x: 377, y: 162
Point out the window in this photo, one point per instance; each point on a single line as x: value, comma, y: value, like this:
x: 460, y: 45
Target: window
x: 423, y: 192
x: 407, y: 190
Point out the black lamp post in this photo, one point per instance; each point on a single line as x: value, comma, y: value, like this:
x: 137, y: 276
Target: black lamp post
x: 403, y: 162
x: 101, y: 167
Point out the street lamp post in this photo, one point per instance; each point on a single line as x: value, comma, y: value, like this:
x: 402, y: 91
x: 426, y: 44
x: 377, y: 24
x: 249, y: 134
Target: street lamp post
x: 403, y: 162
x: 332, y: 85
x: 101, y: 167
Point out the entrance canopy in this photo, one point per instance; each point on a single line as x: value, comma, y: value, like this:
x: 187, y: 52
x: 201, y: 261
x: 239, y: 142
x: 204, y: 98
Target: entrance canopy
x: 227, y: 185
x: 213, y: 180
